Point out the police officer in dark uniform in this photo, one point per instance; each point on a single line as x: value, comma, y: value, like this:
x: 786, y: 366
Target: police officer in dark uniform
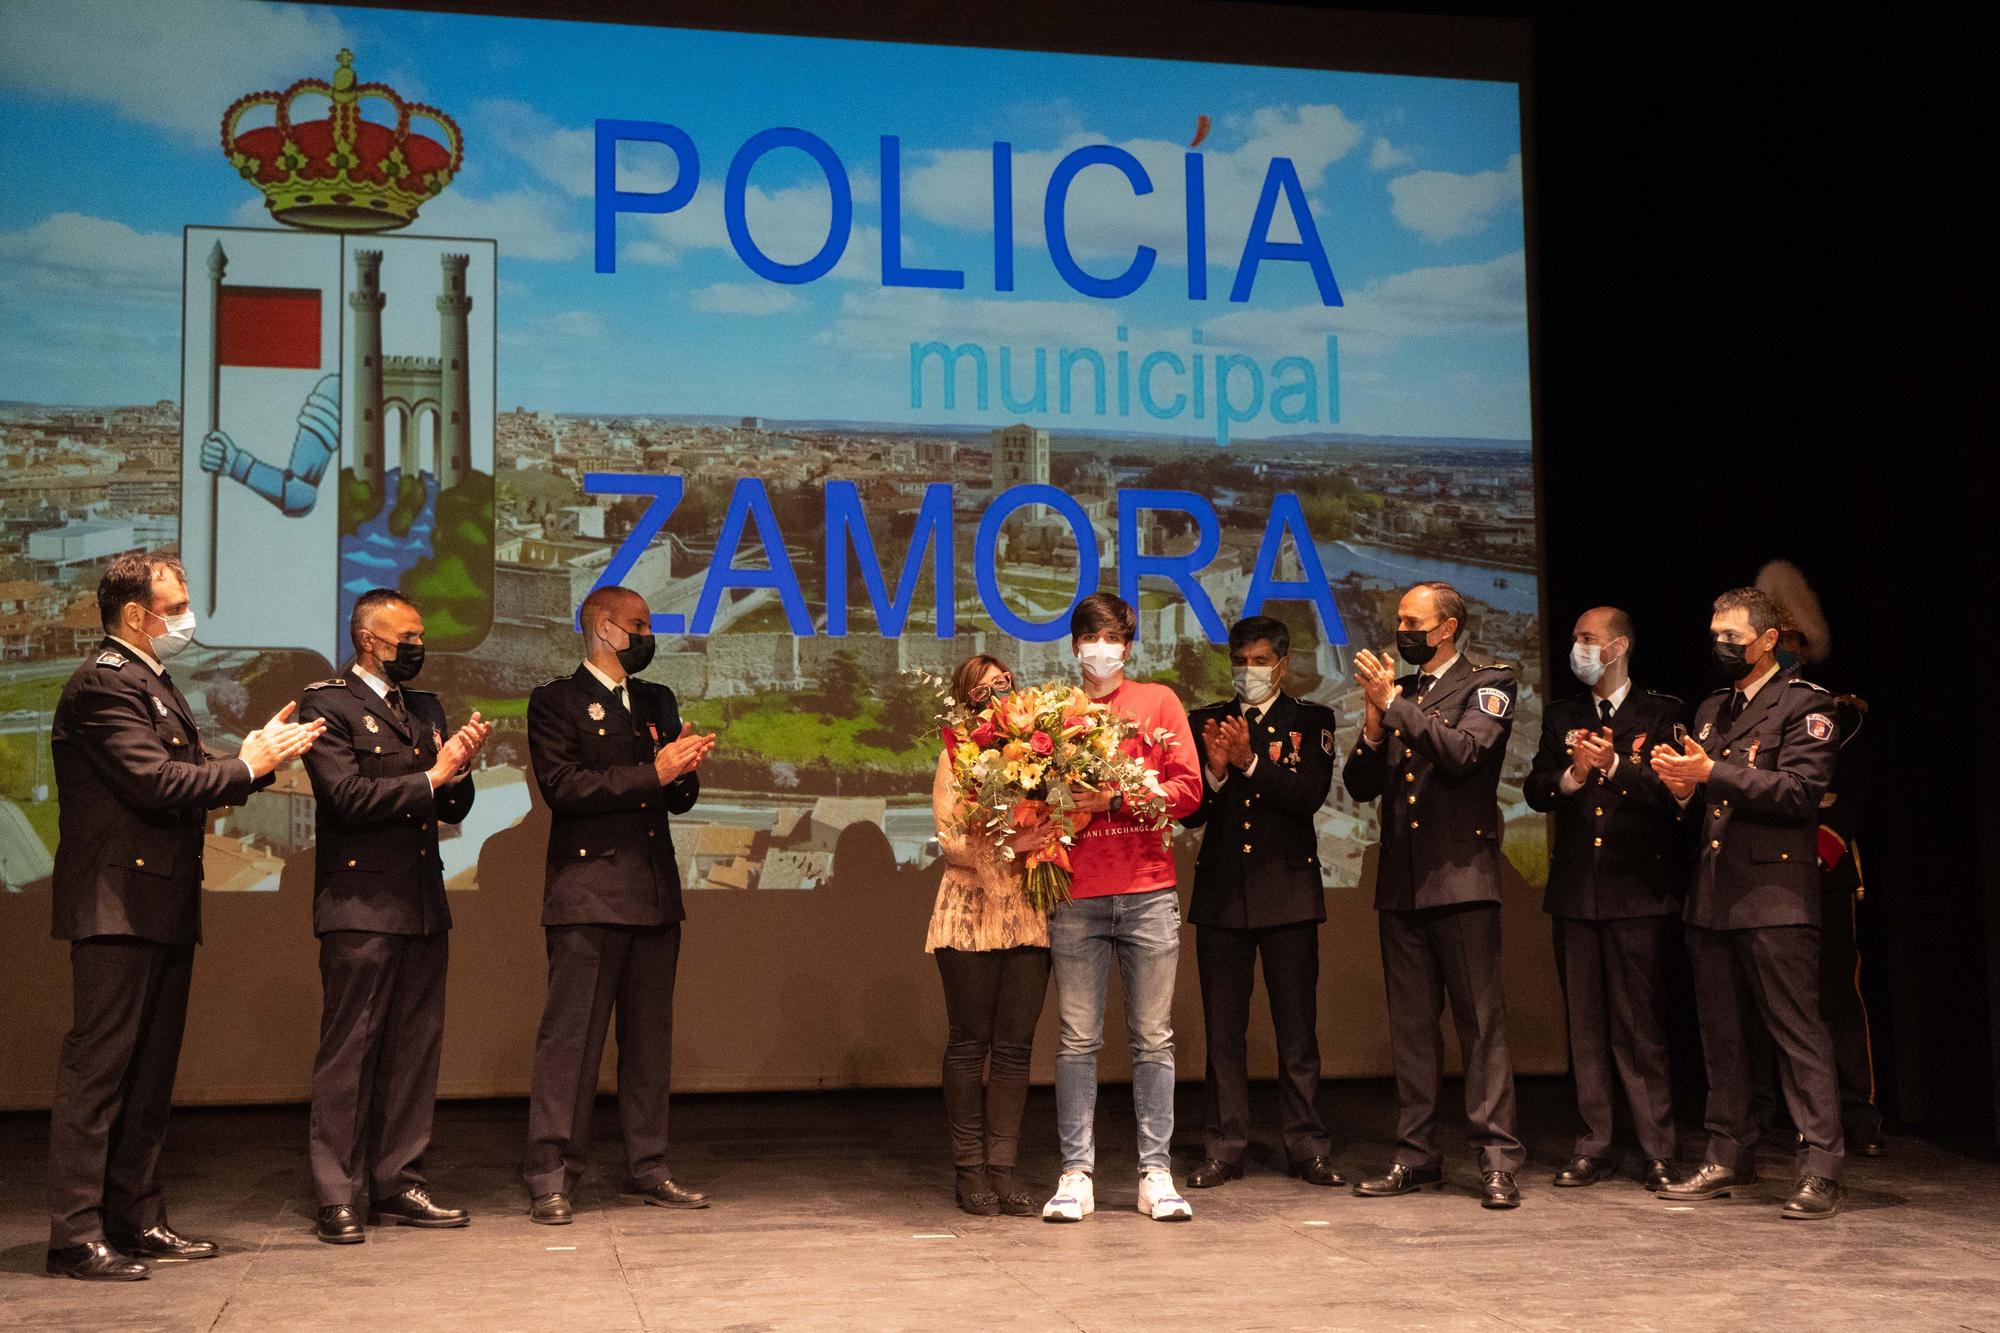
x: 135, y: 788
x: 612, y: 760
x: 1750, y: 778
x: 384, y: 776
x: 1615, y: 878
x: 1267, y: 764
x: 1431, y: 748
x: 1805, y: 640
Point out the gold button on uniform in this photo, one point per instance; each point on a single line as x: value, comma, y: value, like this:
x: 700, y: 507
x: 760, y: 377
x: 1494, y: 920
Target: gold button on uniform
x: 1600, y: 812
x: 1409, y: 777
x: 1597, y: 842
x: 1411, y: 799
x: 1413, y: 823
x: 582, y: 851
x: 1246, y: 826
x: 352, y: 864
x: 138, y: 860
x: 1714, y: 844
x: 1246, y: 846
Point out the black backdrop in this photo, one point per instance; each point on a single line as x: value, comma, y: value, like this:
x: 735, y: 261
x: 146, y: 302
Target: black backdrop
x: 1763, y: 292
x: 1765, y: 289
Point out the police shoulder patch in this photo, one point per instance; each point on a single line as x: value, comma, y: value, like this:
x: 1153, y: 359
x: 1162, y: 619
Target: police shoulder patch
x: 1819, y: 726
x: 1493, y: 701
x: 111, y: 658
x: 1326, y: 739
x: 329, y: 683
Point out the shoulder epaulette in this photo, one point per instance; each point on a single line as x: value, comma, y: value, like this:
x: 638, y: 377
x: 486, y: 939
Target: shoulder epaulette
x: 1662, y: 694
x: 552, y: 680
x: 428, y: 694
x: 111, y: 657
x: 329, y: 683
x: 1499, y: 666
x: 1799, y: 680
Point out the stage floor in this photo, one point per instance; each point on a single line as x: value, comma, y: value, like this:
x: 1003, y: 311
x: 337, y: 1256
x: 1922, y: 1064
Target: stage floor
x: 834, y: 1211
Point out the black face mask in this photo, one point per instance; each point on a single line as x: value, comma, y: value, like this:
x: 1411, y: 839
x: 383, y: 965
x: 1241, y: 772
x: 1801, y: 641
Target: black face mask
x: 637, y: 654
x: 1414, y: 646
x: 1729, y: 660
x: 405, y: 665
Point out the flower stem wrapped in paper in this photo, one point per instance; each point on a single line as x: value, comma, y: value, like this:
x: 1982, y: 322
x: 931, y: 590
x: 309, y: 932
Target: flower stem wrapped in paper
x: 1016, y: 762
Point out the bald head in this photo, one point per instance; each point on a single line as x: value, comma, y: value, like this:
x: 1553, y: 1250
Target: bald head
x: 613, y: 603
x: 611, y: 617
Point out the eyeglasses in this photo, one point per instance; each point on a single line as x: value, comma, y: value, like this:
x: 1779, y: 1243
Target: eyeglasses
x: 981, y: 693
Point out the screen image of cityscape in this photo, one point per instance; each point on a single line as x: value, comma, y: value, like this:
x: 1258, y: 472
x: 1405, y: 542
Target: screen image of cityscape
x: 1398, y: 447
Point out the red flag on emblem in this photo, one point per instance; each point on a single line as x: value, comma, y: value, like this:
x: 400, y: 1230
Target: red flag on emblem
x: 274, y: 327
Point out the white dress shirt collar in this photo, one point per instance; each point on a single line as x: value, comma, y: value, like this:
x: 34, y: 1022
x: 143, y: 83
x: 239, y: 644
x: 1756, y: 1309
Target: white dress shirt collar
x: 158, y: 668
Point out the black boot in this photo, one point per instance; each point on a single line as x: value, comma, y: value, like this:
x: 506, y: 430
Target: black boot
x: 975, y: 1192
x: 1014, y: 1201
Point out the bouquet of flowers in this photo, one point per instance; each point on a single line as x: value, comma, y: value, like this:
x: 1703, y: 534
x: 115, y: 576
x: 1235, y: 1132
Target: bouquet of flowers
x: 1017, y: 761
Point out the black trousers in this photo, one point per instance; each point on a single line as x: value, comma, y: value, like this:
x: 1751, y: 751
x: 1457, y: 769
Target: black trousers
x: 1227, y: 961
x: 992, y: 1001
x: 114, y: 1083
x: 1430, y: 956
x: 595, y: 971
x: 1770, y: 977
x: 374, y: 1080
x: 1611, y: 977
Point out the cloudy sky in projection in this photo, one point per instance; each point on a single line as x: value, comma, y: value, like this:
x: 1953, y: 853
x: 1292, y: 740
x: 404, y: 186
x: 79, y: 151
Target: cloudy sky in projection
x: 111, y: 146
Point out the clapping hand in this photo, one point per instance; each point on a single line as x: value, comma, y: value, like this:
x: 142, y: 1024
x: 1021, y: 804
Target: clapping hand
x: 1594, y: 750
x: 279, y: 741
x: 682, y: 755
x: 1377, y: 678
x: 454, y: 759
x: 1684, y: 769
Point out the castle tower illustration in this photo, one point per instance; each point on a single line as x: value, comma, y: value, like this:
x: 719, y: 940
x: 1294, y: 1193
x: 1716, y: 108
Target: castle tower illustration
x: 440, y: 386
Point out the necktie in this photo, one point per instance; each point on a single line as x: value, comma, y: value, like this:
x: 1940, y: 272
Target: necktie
x: 1604, y: 711
x: 1736, y: 705
x: 394, y: 698
x: 1424, y: 684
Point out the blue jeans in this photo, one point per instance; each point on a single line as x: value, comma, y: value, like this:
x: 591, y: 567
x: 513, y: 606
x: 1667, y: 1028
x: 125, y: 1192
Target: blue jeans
x: 1144, y: 930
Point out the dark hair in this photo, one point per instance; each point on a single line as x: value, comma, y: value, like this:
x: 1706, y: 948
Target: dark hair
x: 130, y: 579
x: 966, y: 678
x: 364, y: 609
x: 1260, y: 629
x: 1450, y: 604
x: 1756, y: 603
x: 1102, y: 611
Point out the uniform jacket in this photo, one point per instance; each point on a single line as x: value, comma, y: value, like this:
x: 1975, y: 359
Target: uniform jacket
x: 377, y: 818
x: 1618, y: 850
x: 1259, y: 859
x: 1756, y: 857
x: 611, y: 852
x: 134, y: 790
x: 1436, y: 774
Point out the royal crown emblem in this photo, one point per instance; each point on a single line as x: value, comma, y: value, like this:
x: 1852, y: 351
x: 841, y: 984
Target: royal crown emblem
x: 342, y: 173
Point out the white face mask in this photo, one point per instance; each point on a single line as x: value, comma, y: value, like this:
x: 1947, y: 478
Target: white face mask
x: 1101, y: 661
x: 1586, y: 660
x: 180, y: 633
x: 1255, y: 685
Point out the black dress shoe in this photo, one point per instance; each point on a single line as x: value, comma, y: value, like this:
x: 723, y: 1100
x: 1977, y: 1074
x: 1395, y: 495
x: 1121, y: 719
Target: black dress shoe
x: 1400, y: 1179
x: 1659, y: 1174
x: 551, y: 1209
x: 161, y: 1242
x: 1014, y: 1201
x: 339, y: 1225
x: 413, y: 1208
x: 1214, y: 1172
x: 94, y: 1261
x: 1712, y: 1181
x: 1497, y: 1190
x: 1581, y: 1171
x: 1318, y: 1171
x: 666, y: 1194
x: 1815, y: 1200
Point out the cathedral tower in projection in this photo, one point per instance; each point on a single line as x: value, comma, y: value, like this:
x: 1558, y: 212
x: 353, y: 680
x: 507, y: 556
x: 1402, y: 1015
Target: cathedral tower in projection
x: 437, y: 386
x: 1020, y: 456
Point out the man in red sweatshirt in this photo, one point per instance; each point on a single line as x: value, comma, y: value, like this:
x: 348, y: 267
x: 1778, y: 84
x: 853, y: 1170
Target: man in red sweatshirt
x: 1124, y: 904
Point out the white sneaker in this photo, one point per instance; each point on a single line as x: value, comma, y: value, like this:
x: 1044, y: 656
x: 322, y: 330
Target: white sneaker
x: 1159, y: 1200
x: 1073, y: 1200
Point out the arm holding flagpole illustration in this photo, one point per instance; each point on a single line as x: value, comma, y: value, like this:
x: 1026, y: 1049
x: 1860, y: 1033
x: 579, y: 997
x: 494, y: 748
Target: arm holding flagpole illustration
x: 294, y: 488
